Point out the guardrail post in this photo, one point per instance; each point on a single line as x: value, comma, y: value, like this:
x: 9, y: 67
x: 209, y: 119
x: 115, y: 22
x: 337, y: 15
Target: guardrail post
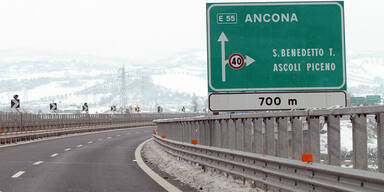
x: 216, y: 140
x: 282, y: 137
x: 297, y: 137
x: 231, y: 134
x: 257, y: 146
x: 179, y: 131
x: 190, y: 130
x: 359, y: 141
x: 239, y: 134
x: 248, y: 134
x: 195, y: 131
x: 186, y: 132
x: 269, y: 141
x: 224, y: 133
x: 380, y: 141
x: 314, y: 137
x: 333, y: 124
x: 201, y: 133
x: 208, y: 125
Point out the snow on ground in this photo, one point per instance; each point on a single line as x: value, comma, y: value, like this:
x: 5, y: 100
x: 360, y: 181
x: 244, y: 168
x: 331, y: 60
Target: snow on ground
x: 192, y: 174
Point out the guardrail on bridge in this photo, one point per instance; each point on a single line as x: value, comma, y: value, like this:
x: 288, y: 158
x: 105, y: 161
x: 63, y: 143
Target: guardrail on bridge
x: 244, y: 144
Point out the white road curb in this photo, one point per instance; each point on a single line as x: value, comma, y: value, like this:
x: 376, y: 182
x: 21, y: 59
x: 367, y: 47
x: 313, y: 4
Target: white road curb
x: 162, y: 182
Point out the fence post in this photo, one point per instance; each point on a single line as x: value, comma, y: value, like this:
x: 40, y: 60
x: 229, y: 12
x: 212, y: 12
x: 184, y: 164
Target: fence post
x: 333, y: 124
x: 359, y: 141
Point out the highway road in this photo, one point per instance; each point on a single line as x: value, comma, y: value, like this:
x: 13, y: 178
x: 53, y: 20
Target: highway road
x: 94, y: 162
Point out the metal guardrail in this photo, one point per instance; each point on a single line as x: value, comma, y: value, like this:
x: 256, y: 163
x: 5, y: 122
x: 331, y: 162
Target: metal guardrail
x: 287, y: 135
x: 20, y: 122
x: 15, y: 127
x: 276, y: 173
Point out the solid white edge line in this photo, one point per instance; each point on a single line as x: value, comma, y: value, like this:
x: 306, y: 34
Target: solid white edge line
x: 18, y: 174
x: 158, y: 179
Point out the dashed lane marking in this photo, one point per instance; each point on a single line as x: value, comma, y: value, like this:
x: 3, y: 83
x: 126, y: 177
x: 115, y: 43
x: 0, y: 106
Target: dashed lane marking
x: 79, y: 145
x: 18, y: 174
x: 54, y: 155
x: 67, y: 149
x: 90, y: 142
x: 38, y: 162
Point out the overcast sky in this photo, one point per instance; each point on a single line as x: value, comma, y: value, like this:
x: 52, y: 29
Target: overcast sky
x: 143, y: 30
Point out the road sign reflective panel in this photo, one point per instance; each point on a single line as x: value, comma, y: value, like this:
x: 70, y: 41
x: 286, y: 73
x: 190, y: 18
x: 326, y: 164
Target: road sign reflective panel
x: 357, y: 100
x: 15, y: 102
x: 85, y: 107
x: 275, y: 101
x: 281, y: 46
x: 53, y: 106
x: 373, y: 99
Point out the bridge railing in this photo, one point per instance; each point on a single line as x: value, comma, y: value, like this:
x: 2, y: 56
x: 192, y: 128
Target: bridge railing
x: 264, y: 148
x: 286, y: 134
x: 11, y: 122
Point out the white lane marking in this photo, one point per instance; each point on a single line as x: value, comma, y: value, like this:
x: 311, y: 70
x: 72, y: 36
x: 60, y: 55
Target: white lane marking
x: 134, y: 160
x: 38, y: 162
x: 67, y: 149
x: 18, y: 174
x: 90, y: 142
x: 79, y: 145
x: 165, y: 184
x: 54, y: 155
x: 109, y: 137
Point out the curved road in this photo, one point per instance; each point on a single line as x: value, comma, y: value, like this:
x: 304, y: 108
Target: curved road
x: 94, y: 162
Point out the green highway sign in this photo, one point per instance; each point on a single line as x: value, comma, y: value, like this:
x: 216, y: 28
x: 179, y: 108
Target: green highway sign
x: 280, y: 46
x: 357, y: 100
x: 373, y: 99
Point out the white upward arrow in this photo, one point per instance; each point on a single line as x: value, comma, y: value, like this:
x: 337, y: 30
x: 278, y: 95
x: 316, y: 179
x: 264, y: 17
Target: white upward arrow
x: 223, y: 39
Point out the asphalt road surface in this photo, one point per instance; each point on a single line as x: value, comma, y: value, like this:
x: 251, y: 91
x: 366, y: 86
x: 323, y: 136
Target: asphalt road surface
x: 101, y: 162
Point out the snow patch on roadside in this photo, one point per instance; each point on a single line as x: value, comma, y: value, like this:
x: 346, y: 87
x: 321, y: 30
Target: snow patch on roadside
x: 191, y: 174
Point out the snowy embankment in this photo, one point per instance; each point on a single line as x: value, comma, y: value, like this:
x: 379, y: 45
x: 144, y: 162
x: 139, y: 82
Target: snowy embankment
x: 192, y: 174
